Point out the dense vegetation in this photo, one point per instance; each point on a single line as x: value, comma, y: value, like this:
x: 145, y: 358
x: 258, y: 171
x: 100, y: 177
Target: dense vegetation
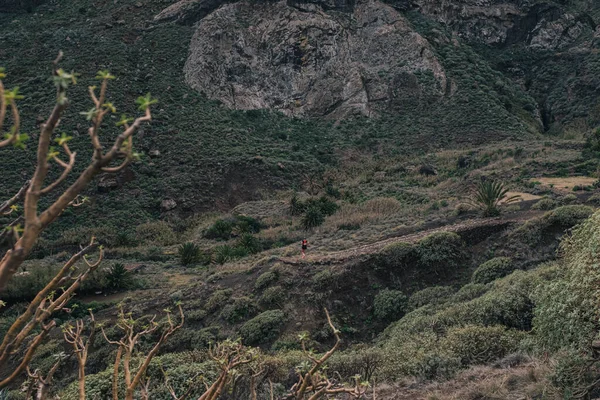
x: 419, y: 283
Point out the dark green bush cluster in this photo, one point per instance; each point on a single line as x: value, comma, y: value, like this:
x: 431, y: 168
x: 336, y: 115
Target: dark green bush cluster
x: 474, y: 344
x: 389, y: 304
x: 568, y: 216
x: 430, y: 295
x: 440, y: 251
x: 436, y: 253
x: 273, y: 297
x: 266, y: 279
x: 156, y: 233
x: 566, y: 313
x: 313, y: 210
x: 468, y: 292
x: 545, y: 204
x: 118, y: 277
x: 218, y: 299
x: 396, y: 257
x: 241, y: 309
x: 263, y: 328
x: 225, y: 229
x: 33, y: 278
x: 190, y: 253
x: 365, y: 362
x: 493, y: 269
x: 325, y: 280
x: 534, y: 231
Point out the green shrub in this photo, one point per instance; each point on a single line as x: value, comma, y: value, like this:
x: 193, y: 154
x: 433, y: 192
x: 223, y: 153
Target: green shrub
x: 568, y: 199
x: 545, y: 204
x: 568, y: 216
x: 440, y: 251
x: 296, y: 207
x: 250, y: 243
x: 97, y: 386
x: 468, y: 292
x: 266, y: 279
x: 420, y: 356
x: 396, y: 257
x: 263, y: 328
x: 241, y: 309
x: 221, y: 229
x: 225, y: 229
x: 493, y: 269
x: 488, y: 196
x: 273, y: 297
x: 534, y: 231
x: 312, y: 218
x: 189, y: 253
x: 326, y: 206
x: 156, y: 233
x: 571, y: 373
x: 566, y: 313
x: 226, y: 253
x: 594, y: 199
x: 389, y: 304
x: 245, y: 224
x: 118, y: 277
x: 125, y: 239
x: 430, y: 295
x: 218, y: 299
x: 365, y: 362
x: 323, y: 280
x: 481, y: 344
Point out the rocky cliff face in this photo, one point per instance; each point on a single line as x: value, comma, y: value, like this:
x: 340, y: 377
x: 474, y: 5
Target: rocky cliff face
x: 302, y: 61
x: 540, y: 25
x: 334, y: 58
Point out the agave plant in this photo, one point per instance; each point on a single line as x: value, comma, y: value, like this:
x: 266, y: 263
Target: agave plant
x: 489, y: 195
x: 312, y: 218
x: 189, y: 253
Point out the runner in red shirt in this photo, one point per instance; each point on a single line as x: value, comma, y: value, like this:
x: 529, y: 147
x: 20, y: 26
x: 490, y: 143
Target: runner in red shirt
x: 304, y: 247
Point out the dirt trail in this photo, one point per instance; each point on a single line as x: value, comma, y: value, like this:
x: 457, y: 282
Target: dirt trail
x: 342, y: 256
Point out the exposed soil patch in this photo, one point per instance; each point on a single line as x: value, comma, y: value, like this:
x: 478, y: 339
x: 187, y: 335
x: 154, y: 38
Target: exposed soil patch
x: 523, y: 196
x: 566, y: 184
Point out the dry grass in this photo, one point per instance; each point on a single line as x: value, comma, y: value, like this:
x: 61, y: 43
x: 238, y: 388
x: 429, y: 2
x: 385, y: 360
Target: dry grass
x: 371, y: 211
x: 478, y: 383
x: 566, y: 184
x: 523, y: 196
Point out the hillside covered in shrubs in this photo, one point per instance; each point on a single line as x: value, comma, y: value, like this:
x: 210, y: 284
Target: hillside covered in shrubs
x: 447, y: 195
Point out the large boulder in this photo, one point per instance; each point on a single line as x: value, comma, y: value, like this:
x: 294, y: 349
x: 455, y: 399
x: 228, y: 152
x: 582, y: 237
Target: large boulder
x: 298, y: 59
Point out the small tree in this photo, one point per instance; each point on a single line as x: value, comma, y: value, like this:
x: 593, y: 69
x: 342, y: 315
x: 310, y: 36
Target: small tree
x: 133, y: 331
x: 489, y: 195
x: 313, y: 381
x: 35, y: 220
x: 35, y: 322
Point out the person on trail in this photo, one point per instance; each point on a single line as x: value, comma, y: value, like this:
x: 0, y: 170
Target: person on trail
x: 304, y: 247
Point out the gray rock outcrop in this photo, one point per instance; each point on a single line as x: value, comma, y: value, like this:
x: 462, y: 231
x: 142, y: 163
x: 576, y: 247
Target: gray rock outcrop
x: 304, y: 61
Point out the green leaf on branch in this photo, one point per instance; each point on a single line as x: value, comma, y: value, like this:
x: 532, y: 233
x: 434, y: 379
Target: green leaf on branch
x: 109, y: 106
x: 63, y: 79
x: 104, y: 75
x: 64, y: 138
x: 52, y: 152
x: 145, y: 101
x: 12, y: 94
x: 89, y: 115
x: 124, y: 120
